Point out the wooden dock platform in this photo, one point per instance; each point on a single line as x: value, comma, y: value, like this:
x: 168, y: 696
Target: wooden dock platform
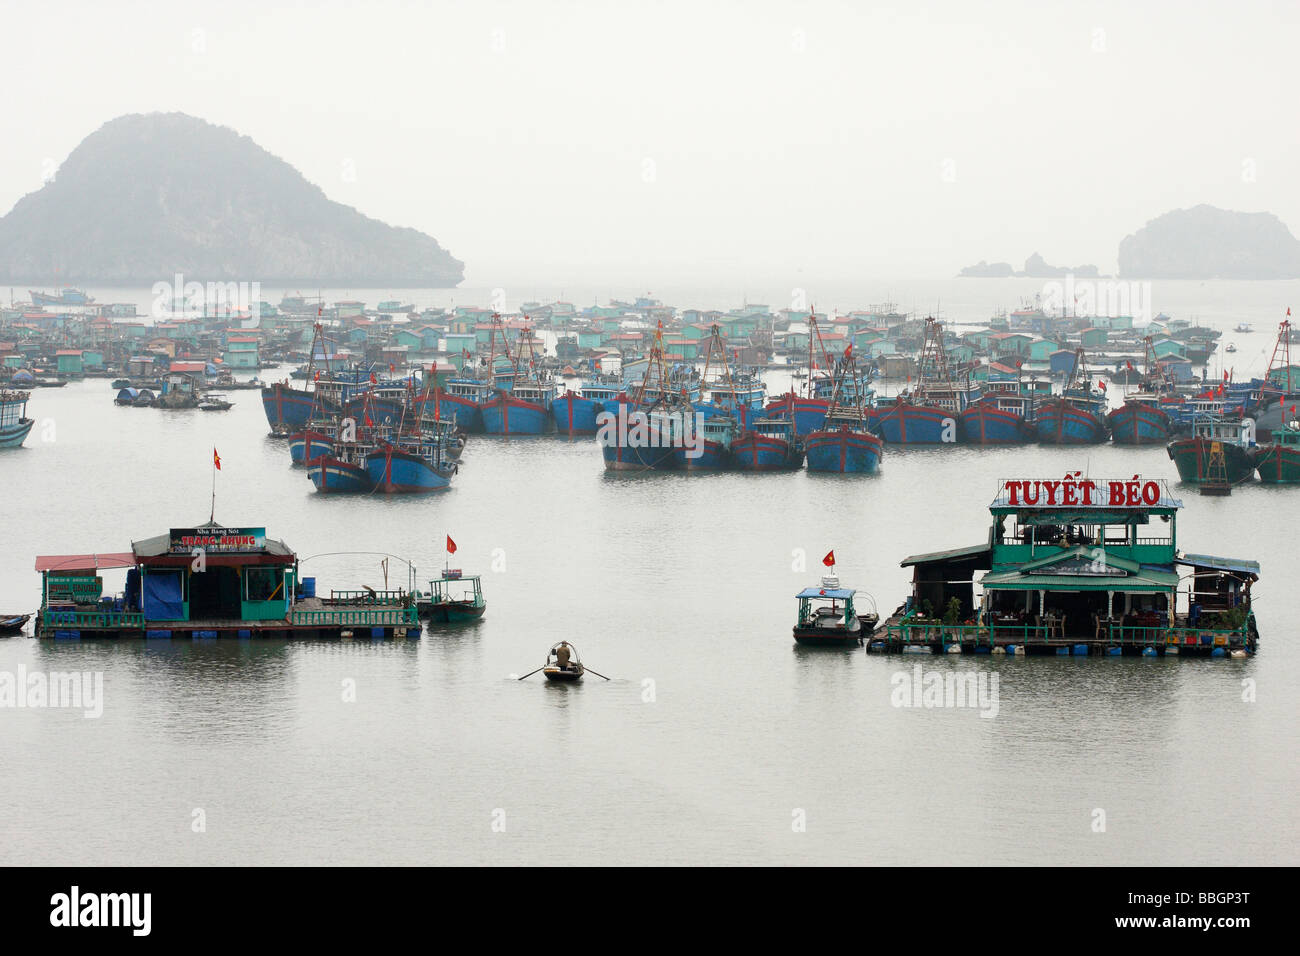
x: 908, y: 633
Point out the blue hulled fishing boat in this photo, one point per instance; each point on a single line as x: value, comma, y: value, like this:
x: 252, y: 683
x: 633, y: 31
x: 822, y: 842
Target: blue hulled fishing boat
x: 14, y: 423
x: 1078, y: 415
x: 928, y: 413
x: 522, y: 406
x: 845, y: 444
x: 1140, y: 421
x: 641, y: 433
x: 769, y: 444
x: 408, y: 468
x: 344, y: 473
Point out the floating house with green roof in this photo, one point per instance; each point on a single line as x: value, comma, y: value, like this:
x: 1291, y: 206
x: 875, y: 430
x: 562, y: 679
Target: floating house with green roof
x: 1078, y: 566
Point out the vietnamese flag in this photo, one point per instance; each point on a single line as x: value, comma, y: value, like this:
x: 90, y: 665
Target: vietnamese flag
x: 848, y: 350
x: 829, y: 560
x: 216, y: 459
x: 373, y: 380
x: 451, y: 545
x: 1101, y: 385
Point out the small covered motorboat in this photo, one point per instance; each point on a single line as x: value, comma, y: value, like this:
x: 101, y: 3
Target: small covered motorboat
x: 453, y: 598
x: 828, y: 617
x: 13, y: 623
x: 212, y: 402
x: 562, y: 663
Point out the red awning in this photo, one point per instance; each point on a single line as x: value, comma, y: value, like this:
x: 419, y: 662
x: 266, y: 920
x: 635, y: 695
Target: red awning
x: 84, y: 562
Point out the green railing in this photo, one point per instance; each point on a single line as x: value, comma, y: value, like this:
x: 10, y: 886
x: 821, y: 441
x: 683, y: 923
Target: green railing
x: 366, y: 597
x: 911, y: 630
x: 354, y: 616
x: 93, y: 619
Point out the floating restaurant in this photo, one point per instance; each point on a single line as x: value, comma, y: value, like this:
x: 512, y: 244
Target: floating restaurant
x: 208, y: 582
x: 1077, y: 566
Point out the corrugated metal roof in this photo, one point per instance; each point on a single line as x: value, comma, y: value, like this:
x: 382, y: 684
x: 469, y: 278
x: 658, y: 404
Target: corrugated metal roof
x: 1220, y: 564
x: 974, y: 551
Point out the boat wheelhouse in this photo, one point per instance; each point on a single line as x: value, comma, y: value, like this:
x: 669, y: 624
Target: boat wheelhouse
x: 1078, y: 566
x: 209, y: 581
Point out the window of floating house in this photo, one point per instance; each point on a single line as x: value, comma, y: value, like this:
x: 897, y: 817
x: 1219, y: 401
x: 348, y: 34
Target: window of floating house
x: 263, y: 584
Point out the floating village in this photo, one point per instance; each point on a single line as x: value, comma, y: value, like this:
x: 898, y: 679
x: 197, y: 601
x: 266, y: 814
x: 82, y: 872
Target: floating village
x: 387, y: 400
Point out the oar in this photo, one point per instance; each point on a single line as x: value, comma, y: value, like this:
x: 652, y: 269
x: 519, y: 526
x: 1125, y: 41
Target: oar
x: 531, y: 673
x: 597, y: 673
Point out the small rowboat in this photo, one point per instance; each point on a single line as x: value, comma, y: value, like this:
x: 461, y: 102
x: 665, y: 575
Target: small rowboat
x: 562, y: 664
x: 13, y: 623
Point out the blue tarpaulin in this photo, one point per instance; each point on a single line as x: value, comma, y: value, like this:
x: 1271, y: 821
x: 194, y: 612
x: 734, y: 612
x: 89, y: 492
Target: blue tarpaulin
x: 162, y: 597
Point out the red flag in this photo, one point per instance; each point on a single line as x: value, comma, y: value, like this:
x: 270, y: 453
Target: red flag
x: 1128, y: 365
x: 216, y: 459
x: 391, y: 368
x: 373, y: 380
x: 848, y: 350
x: 1225, y: 376
x: 829, y: 560
x: 451, y: 545
x: 316, y: 377
x: 1101, y: 385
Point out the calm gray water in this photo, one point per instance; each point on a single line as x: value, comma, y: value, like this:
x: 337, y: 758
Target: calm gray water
x: 684, y: 582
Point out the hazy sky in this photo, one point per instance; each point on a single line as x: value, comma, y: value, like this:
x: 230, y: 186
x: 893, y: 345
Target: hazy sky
x: 628, y: 142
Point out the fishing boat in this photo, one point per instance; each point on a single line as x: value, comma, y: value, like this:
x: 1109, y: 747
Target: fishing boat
x: 308, y: 444
x: 67, y: 296
x: 827, y: 616
x: 769, y: 444
x: 523, y: 407
x: 408, y: 467
x: 13, y: 623
x: 1148, y: 416
x: 641, y: 433
x: 453, y: 598
x: 1078, y: 415
x: 575, y: 412
x: 343, y: 472
x: 212, y: 402
x: 14, y: 423
x: 289, y: 408
x: 1220, y: 451
x: 1003, y: 415
x: 845, y: 443
x: 1140, y: 421
x: 562, y: 664
x: 1278, y: 462
x: 808, y: 410
x: 710, y: 434
x: 928, y: 413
